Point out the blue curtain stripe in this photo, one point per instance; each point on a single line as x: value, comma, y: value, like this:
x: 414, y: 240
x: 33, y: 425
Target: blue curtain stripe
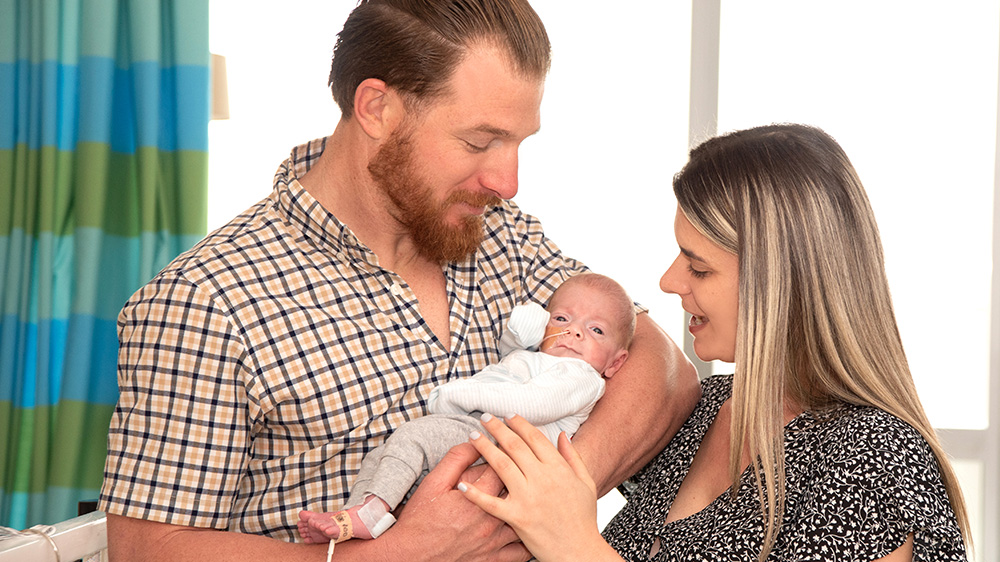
x: 71, y: 350
x: 44, y: 91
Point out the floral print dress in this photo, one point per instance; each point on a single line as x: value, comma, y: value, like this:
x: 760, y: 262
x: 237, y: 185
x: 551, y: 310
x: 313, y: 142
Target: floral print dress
x: 858, y: 481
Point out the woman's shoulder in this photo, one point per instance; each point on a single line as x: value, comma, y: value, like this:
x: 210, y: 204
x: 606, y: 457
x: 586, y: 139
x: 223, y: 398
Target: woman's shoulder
x: 863, y: 470
x: 866, y: 428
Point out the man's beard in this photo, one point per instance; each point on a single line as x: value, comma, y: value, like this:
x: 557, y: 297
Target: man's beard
x: 395, y: 173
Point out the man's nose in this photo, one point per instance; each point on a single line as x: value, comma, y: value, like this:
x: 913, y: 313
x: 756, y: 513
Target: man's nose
x: 500, y: 175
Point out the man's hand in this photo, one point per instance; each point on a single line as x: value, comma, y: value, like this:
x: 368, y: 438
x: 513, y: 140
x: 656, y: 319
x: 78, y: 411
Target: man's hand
x: 445, y: 525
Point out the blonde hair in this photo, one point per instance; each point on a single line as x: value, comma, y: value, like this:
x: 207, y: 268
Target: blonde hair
x: 816, y: 322
x: 624, y: 313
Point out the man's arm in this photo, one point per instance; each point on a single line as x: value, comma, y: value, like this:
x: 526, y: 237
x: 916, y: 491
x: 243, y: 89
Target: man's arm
x: 644, y: 405
x: 438, y: 523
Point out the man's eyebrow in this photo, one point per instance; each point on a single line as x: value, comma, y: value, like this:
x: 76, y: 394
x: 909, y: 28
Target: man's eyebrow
x: 496, y: 131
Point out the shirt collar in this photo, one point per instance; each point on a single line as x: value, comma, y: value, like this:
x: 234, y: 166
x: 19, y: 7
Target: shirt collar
x: 301, y: 209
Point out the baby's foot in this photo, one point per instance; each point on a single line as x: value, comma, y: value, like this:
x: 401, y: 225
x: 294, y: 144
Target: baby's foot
x: 366, y: 521
x: 313, y: 527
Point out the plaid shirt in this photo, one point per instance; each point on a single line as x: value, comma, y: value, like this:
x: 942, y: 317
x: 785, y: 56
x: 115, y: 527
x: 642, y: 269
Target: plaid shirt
x: 258, y: 368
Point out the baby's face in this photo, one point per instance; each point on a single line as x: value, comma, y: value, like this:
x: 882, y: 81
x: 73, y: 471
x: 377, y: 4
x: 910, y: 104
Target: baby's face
x: 583, y: 316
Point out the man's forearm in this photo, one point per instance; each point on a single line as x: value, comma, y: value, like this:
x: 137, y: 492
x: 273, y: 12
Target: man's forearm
x: 644, y: 405
x: 136, y: 540
x: 438, y: 524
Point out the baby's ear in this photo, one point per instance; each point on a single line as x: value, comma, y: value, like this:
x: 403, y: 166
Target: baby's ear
x: 616, y: 364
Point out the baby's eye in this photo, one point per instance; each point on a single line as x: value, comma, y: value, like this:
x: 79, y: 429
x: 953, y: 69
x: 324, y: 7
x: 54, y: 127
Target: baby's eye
x: 597, y: 330
x: 559, y: 318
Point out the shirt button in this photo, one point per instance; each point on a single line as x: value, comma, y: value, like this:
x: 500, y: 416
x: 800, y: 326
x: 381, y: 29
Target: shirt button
x: 396, y: 289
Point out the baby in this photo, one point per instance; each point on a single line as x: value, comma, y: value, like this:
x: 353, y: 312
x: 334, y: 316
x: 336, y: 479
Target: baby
x: 584, y: 334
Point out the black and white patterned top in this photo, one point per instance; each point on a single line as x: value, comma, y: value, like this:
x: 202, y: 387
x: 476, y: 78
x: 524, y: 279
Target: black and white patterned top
x: 857, y: 483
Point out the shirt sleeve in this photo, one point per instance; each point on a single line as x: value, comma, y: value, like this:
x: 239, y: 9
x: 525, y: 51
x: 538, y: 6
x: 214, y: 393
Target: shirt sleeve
x: 880, y: 483
x: 179, y: 437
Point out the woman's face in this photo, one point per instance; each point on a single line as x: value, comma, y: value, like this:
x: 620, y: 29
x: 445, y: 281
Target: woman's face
x: 707, y: 279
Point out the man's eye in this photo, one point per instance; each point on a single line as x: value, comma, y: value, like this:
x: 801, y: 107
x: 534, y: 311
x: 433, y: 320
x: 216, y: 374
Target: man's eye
x: 475, y: 147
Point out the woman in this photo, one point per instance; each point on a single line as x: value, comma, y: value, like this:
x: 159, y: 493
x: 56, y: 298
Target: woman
x: 781, y: 269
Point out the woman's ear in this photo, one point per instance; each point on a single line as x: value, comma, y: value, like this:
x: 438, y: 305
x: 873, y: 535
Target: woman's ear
x: 377, y: 108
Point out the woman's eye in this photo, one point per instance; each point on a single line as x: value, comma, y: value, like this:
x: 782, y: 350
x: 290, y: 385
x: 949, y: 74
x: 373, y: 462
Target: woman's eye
x: 697, y: 274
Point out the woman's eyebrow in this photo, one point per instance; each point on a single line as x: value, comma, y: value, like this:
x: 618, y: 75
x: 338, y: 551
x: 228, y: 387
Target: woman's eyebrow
x: 693, y: 256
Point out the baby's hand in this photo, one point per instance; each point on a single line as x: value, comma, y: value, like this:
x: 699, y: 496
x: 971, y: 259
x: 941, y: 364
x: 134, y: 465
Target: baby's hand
x: 527, y: 324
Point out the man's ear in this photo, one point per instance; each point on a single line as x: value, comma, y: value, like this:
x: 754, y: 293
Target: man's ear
x: 616, y: 364
x: 377, y: 108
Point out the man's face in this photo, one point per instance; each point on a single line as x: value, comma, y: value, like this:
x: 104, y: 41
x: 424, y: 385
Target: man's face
x: 443, y: 169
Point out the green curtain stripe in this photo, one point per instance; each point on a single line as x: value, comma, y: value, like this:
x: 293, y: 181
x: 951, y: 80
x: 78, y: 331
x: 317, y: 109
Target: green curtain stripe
x: 122, y: 194
x: 8, y: 461
x: 45, y: 206
x: 74, y: 456
x: 77, y: 461
x: 6, y: 191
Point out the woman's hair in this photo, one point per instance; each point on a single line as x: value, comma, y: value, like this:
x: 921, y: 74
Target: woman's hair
x: 816, y: 321
x: 414, y: 46
x: 624, y: 313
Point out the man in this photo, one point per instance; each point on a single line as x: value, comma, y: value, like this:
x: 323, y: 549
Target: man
x: 257, y: 369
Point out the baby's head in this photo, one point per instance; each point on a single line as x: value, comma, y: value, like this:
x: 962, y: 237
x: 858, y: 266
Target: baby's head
x: 591, y: 318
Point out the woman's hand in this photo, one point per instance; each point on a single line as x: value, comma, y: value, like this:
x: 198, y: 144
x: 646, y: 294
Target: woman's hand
x: 551, y: 499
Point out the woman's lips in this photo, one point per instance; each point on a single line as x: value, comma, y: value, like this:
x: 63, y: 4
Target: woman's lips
x: 697, y: 323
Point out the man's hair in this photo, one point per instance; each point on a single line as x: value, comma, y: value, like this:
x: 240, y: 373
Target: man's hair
x: 815, y: 318
x: 624, y: 313
x: 414, y: 46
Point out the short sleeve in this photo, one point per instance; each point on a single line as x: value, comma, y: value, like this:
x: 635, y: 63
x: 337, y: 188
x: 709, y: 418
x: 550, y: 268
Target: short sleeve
x: 877, y: 482
x: 178, y: 440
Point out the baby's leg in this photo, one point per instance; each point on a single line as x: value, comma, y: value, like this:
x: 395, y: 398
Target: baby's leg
x: 396, y: 466
x: 387, y: 474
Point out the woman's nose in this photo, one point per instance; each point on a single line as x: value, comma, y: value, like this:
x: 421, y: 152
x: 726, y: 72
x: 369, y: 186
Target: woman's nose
x: 672, y: 281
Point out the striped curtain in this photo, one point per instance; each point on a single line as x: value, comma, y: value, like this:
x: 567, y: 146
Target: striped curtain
x: 104, y: 108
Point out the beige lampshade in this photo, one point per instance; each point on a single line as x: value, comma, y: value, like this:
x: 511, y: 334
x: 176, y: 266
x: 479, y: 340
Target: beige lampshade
x: 220, y: 88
